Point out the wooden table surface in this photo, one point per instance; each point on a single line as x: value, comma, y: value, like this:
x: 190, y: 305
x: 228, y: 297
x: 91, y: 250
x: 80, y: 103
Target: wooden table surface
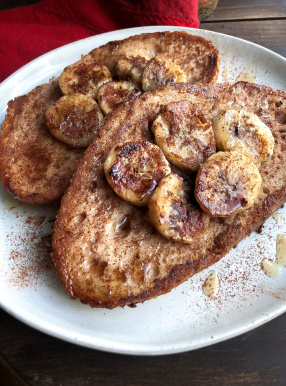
x: 255, y: 358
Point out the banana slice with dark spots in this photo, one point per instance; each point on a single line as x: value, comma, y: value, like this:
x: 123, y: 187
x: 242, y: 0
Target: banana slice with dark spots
x: 161, y: 71
x: 112, y: 93
x: 130, y: 68
x: 74, y: 119
x: 84, y: 77
x: 172, y: 215
x: 184, y: 134
x: 239, y: 130
x: 227, y: 183
x: 134, y: 169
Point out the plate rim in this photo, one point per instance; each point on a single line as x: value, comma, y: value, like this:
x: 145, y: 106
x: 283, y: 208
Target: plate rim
x: 75, y: 339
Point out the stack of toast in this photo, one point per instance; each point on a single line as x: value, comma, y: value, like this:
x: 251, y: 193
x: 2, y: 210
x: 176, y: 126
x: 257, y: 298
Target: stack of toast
x: 107, y: 251
x: 34, y: 166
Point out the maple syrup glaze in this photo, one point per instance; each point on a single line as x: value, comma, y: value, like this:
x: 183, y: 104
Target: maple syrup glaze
x: 211, y: 285
x: 277, y: 217
x: 281, y: 250
x: 270, y: 269
x: 273, y: 269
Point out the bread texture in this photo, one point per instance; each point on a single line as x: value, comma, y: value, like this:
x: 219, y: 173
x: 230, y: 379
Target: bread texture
x: 36, y: 167
x: 196, y: 56
x: 106, y: 251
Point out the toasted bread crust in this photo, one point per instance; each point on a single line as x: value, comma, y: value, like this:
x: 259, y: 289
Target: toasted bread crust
x: 36, y: 167
x: 195, y: 55
x: 107, y: 253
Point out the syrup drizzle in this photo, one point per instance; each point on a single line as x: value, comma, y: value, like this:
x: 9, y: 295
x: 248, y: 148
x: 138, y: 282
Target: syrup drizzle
x: 270, y: 269
x: 277, y: 217
x: 211, y: 285
x: 273, y: 269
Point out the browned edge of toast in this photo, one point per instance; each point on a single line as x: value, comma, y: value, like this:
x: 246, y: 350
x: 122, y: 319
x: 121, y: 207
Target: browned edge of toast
x: 224, y: 234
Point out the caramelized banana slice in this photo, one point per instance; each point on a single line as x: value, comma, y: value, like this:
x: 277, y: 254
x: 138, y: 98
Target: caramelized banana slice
x: 134, y: 169
x: 130, y: 68
x: 159, y: 72
x: 84, y: 77
x: 184, y: 134
x: 244, y: 132
x: 112, y: 93
x: 172, y: 215
x: 74, y: 119
x: 227, y: 183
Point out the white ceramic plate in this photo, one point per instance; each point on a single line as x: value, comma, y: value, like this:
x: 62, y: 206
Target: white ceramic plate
x: 182, y: 320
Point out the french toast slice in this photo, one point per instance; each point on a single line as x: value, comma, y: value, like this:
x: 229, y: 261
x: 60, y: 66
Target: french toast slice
x: 106, y: 251
x: 196, y: 56
x: 35, y: 166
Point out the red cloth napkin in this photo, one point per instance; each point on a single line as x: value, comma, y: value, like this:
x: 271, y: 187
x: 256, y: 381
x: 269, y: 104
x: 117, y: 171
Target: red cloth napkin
x: 28, y: 32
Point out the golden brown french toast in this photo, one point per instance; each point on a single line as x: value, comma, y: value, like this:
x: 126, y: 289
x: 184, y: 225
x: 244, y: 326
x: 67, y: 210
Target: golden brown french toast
x: 34, y: 165
x: 107, y: 251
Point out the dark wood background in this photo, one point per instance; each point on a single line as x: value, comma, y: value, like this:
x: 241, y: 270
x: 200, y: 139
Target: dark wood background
x: 255, y: 358
x: 260, y: 21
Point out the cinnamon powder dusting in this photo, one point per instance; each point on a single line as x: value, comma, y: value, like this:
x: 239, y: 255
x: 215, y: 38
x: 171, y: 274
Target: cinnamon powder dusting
x: 30, y: 255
